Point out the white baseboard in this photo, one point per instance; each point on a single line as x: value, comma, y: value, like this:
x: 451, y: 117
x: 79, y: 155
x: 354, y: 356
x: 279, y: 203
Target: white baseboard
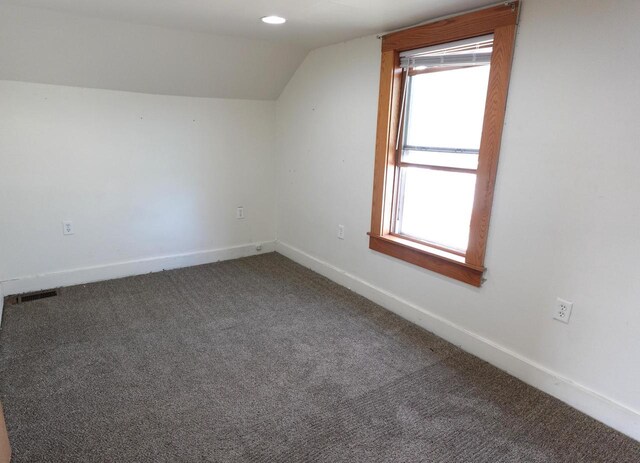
x: 133, y: 267
x: 588, y: 401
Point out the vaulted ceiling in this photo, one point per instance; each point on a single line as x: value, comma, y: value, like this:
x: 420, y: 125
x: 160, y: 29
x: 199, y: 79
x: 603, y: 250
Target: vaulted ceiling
x: 188, y: 47
x: 311, y: 23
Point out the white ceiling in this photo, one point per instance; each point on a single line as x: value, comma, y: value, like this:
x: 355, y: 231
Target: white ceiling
x: 202, y: 48
x: 311, y: 23
x: 49, y: 47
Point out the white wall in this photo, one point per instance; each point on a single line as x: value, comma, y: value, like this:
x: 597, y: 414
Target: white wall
x: 143, y: 178
x: 42, y: 46
x: 565, y: 220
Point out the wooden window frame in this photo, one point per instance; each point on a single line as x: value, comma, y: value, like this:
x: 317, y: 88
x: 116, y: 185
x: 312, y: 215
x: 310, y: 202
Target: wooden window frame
x: 501, y: 21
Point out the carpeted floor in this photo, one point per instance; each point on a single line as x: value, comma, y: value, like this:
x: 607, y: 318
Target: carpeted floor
x: 261, y: 360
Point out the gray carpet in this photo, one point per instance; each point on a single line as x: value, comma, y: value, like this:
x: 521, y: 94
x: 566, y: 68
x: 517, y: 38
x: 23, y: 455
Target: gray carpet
x: 261, y: 360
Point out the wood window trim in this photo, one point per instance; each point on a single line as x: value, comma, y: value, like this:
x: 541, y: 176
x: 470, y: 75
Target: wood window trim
x: 500, y: 21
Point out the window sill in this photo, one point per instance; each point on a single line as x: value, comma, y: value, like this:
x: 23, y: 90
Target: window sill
x: 424, y: 256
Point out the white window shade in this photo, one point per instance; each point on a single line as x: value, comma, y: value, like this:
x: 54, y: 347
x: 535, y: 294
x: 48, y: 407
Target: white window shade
x: 446, y: 60
x: 468, y: 52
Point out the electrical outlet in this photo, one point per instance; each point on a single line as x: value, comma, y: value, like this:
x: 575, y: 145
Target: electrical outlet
x: 341, y: 232
x: 240, y: 213
x: 562, y: 311
x: 258, y: 247
x: 67, y: 227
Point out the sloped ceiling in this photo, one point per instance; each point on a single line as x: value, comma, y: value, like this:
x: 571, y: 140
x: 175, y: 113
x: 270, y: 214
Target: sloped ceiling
x: 213, y: 48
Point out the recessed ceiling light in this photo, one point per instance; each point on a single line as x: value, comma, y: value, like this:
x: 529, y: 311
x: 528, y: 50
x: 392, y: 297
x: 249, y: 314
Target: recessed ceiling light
x: 273, y: 20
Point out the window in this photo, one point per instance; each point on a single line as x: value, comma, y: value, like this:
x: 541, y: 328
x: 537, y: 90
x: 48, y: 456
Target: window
x: 443, y: 90
x: 441, y: 119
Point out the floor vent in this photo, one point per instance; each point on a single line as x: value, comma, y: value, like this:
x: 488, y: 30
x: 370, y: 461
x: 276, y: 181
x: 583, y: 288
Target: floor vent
x: 27, y: 297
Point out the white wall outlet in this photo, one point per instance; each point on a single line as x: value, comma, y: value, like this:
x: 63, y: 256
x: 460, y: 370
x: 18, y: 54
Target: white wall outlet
x: 341, y: 232
x: 67, y: 227
x: 258, y: 247
x: 240, y: 213
x: 562, y: 311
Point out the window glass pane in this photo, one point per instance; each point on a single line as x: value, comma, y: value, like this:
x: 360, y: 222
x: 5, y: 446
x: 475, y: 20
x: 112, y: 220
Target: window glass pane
x: 446, y: 108
x: 431, y: 158
x: 435, y: 206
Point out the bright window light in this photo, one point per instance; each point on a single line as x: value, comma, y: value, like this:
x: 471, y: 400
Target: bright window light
x: 440, y: 149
